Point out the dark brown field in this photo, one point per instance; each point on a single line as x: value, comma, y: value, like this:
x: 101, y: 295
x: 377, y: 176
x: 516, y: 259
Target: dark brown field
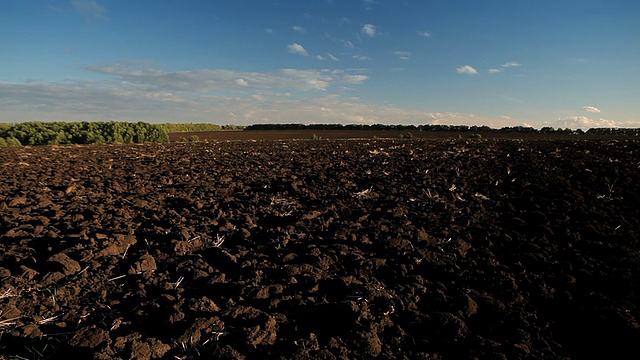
x: 309, y: 134
x: 349, y: 249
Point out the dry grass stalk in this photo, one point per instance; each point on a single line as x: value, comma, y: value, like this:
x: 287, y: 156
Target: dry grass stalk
x: 363, y: 194
x: 7, y: 294
x: 9, y: 322
x: 49, y: 319
x: 177, y: 284
x: 117, y: 277
x: 218, y: 241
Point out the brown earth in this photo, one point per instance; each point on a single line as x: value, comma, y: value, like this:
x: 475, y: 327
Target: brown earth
x: 229, y: 135
x: 435, y: 249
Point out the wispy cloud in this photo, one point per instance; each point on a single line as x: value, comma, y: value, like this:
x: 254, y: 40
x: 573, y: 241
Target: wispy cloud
x: 268, y: 30
x: 91, y: 9
x: 361, y: 57
x: 512, y: 99
x: 88, y: 101
x: 467, y: 69
x: 424, y: 34
x: 369, y: 30
x: 296, y: 48
x: 332, y: 57
x: 221, y: 79
x: 511, y: 64
x: 299, y: 29
x: 494, y: 71
x: 355, y: 79
x: 402, y: 55
x: 591, y: 109
x: 368, y: 4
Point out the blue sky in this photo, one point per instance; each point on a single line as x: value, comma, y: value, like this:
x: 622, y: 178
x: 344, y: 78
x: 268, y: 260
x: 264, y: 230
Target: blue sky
x: 560, y: 63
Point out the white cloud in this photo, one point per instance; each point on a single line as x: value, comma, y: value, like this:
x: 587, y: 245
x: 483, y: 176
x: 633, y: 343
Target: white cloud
x: 591, y: 109
x: 332, y: 57
x: 467, y: 69
x: 268, y: 30
x: 91, y: 9
x: 369, y: 30
x: 583, y: 122
x: 511, y: 64
x: 299, y: 29
x: 494, y: 71
x: 296, y: 48
x: 320, y: 57
x: 402, y: 55
x: 355, y: 79
x: 361, y: 57
x: 424, y: 34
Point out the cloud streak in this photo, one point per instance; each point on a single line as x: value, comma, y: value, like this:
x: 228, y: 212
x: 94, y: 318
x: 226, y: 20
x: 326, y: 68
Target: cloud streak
x: 91, y: 9
x: 207, y: 80
x: 402, y: 55
x: 511, y: 64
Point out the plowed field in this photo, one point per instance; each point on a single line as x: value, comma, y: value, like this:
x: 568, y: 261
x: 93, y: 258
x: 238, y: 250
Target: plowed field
x: 349, y: 249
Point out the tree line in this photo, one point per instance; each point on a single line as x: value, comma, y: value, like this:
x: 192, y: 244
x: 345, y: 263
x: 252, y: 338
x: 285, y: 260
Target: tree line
x: 198, y: 127
x: 60, y: 133
x: 451, y: 128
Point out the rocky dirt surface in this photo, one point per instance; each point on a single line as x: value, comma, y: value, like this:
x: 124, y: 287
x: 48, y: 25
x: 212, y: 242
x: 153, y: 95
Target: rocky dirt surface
x: 390, y: 249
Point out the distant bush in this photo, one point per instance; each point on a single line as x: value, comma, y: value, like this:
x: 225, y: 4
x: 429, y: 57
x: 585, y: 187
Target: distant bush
x: 233, y: 127
x: 190, y: 127
x: 54, y: 133
x: 193, y: 138
x: 9, y: 142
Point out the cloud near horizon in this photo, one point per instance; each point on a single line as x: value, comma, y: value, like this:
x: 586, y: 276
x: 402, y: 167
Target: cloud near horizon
x: 92, y: 101
x: 95, y: 101
x: 591, y: 109
x: 584, y: 122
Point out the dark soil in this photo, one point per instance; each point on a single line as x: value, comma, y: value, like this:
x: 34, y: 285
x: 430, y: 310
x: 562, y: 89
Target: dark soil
x: 308, y: 134
x: 432, y: 249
